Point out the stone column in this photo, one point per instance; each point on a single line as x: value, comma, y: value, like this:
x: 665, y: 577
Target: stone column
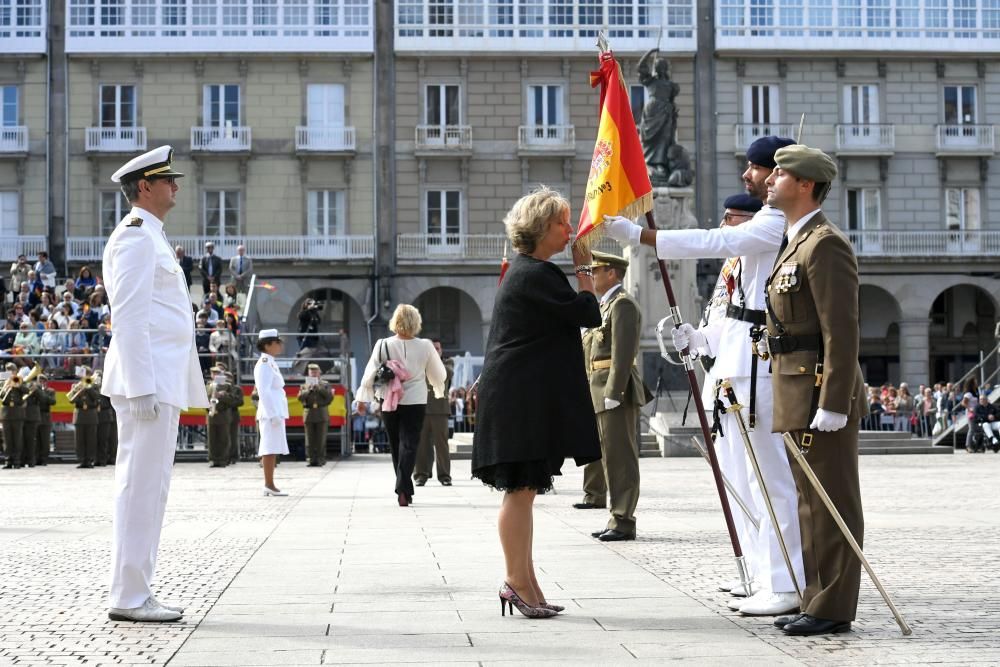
x: 914, y: 351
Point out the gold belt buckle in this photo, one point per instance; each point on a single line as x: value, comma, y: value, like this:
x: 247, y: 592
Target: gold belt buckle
x: 805, y: 442
x: 819, y: 374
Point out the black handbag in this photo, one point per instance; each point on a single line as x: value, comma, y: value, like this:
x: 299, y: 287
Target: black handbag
x: 384, y: 374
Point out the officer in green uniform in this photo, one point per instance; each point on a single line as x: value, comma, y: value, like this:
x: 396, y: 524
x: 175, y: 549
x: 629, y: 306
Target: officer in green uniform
x: 235, y: 403
x: 434, y: 434
x: 219, y: 419
x: 86, y: 400
x: 316, y: 399
x: 107, y: 428
x: 12, y: 394
x: 617, y: 392
x: 43, y: 437
x: 812, y: 338
x: 32, y: 415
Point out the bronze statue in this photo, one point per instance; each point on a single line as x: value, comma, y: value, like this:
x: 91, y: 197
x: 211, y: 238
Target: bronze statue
x: 667, y: 161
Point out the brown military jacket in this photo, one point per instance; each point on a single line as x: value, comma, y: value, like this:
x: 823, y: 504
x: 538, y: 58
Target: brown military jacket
x: 813, y: 289
x: 219, y: 414
x: 441, y: 406
x: 13, y: 406
x: 46, y: 399
x: 106, y: 413
x: 610, y: 352
x: 32, y: 410
x: 86, y: 404
x: 315, y: 399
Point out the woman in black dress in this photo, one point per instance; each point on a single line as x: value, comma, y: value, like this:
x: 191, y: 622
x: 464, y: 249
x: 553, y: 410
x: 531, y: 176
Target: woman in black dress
x: 534, y: 406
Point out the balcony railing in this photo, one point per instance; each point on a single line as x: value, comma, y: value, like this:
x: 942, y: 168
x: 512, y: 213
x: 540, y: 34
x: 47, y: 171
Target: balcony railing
x: 488, y: 25
x: 12, y: 246
x: 546, y: 137
x: 325, y: 139
x: 444, y: 137
x: 972, y: 139
x: 231, y: 138
x: 472, y: 248
x: 22, y: 26
x: 91, y: 248
x: 116, y: 139
x: 866, y: 138
x: 847, y: 25
x: 928, y: 245
x: 13, y: 139
x: 747, y: 133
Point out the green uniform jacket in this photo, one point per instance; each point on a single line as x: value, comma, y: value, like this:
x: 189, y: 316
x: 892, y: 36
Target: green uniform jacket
x: 223, y: 407
x: 234, y: 400
x: 13, y: 406
x: 315, y: 400
x: 610, y: 353
x: 441, y: 406
x: 106, y: 414
x: 86, y: 404
x: 46, y: 399
x: 818, y: 269
x: 32, y: 411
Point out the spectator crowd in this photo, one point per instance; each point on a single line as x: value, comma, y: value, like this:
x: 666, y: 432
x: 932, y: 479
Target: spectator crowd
x: 929, y: 410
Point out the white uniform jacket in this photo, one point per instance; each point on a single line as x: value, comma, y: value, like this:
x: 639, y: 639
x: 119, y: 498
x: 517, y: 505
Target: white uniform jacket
x: 271, y: 399
x: 756, y: 243
x: 153, y: 349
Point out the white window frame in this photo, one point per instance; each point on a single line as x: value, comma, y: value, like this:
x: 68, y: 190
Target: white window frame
x: 861, y: 104
x: 122, y: 206
x: 757, y: 110
x: 329, y: 104
x: 530, y: 106
x: 318, y: 201
x: 864, y: 196
x: 436, y: 130
x: 226, y: 196
x: 967, y: 200
x: 10, y: 213
x: 4, y: 105
x: 440, y: 241
x: 959, y: 119
x: 207, y: 105
x: 118, y: 88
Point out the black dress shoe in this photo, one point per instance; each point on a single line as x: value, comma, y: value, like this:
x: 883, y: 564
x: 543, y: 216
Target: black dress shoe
x: 419, y: 481
x: 85, y: 465
x: 782, y: 621
x: 612, y: 535
x: 445, y: 482
x: 598, y: 533
x: 313, y: 464
x: 810, y: 625
x: 586, y: 506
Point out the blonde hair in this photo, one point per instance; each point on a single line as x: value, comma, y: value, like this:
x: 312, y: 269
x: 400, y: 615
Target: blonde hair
x: 405, y: 320
x: 529, y: 218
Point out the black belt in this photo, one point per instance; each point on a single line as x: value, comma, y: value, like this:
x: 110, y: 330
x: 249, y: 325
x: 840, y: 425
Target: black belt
x: 757, y: 317
x: 785, y: 344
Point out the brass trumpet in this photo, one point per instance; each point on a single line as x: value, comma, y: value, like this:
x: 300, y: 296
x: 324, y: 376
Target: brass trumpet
x: 75, y: 390
x: 13, y: 381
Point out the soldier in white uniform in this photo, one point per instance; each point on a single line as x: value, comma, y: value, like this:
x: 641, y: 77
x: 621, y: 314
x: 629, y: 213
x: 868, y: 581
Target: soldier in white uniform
x: 750, y: 249
x: 151, y: 373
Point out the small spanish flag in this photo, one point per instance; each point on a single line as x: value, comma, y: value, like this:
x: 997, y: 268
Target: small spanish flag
x: 268, y: 286
x: 618, y: 183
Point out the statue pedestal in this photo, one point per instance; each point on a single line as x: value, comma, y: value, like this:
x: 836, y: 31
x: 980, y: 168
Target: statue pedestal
x: 671, y: 210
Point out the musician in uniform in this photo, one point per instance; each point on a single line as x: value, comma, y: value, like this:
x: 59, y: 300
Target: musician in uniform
x: 235, y: 403
x: 151, y: 374
x: 107, y: 429
x: 813, y: 338
x: 315, y: 399
x: 46, y: 399
x: 433, y: 447
x: 617, y: 393
x: 219, y: 418
x: 85, y: 399
x: 32, y: 415
x: 12, y: 411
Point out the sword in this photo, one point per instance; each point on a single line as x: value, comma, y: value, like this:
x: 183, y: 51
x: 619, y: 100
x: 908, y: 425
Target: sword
x: 735, y: 409
x: 729, y: 487
x: 797, y: 454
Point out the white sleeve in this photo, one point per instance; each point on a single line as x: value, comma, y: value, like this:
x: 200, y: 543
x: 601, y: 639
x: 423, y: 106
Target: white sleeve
x: 132, y: 286
x: 435, y: 370
x: 262, y: 377
x: 763, y: 233
x: 713, y: 336
x: 366, y: 388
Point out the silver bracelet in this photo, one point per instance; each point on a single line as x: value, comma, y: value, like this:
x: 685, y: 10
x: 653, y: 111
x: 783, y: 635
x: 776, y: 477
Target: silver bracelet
x: 585, y: 270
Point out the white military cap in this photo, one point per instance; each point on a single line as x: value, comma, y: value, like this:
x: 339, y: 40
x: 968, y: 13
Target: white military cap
x: 152, y: 164
x: 268, y: 333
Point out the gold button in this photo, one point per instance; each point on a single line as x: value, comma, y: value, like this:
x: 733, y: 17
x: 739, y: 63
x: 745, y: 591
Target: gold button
x: 802, y: 369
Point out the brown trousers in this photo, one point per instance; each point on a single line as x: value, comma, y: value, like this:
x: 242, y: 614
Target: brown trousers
x: 833, y: 571
x: 617, y: 473
x: 433, y: 447
x: 316, y: 441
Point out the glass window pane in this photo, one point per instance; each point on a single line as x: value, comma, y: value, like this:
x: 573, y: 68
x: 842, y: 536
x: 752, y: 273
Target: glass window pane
x: 972, y: 221
x: 852, y: 210
x: 537, y: 97
x: 969, y: 105
x: 552, y: 117
x: 953, y: 206
x: 872, y: 212
x: 951, y: 105
x: 451, y: 105
x: 434, y: 105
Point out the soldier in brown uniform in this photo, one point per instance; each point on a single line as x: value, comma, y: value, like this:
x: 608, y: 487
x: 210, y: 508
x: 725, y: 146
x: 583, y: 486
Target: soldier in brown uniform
x: 107, y: 428
x: 32, y: 415
x: 813, y: 337
x: 235, y: 403
x: 12, y: 411
x: 86, y: 399
x: 315, y: 399
x: 43, y: 436
x: 617, y: 393
x: 219, y: 419
x: 434, y: 433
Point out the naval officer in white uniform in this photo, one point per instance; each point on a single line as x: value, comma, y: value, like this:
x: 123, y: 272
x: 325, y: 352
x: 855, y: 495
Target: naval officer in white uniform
x: 151, y: 373
x: 750, y: 249
x: 272, y: 407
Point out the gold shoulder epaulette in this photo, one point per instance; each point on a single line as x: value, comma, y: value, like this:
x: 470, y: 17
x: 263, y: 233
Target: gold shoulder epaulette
x: 134, y: 222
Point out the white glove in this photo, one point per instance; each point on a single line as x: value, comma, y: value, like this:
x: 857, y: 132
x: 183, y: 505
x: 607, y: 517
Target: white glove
x: 687, y: 337
x: 622, y: 230
x: 144, y: 408
x: 611, y: 404
x: 828, y: 421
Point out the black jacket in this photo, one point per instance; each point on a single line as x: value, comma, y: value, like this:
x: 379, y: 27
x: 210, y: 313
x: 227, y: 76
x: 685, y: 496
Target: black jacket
x: 534, y: 401
x: 216, y: 263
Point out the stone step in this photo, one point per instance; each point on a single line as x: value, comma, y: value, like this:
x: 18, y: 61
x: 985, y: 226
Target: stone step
x: 927, y: 449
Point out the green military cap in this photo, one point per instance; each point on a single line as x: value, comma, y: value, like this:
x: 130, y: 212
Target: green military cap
x: 811, y: 164
x: 313, y: 367
x: 605, y: 259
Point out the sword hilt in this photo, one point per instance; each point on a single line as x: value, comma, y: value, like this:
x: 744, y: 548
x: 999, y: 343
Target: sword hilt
x: 734, y: 404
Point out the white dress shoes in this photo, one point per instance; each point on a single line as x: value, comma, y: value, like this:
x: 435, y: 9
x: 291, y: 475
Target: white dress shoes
x: 768, y: 603
x: 729, y: 585
x: 273, y: 492
x: 172, y: 607
x: 736, y: 603
x: 741, y: 592
x: 151, y: 611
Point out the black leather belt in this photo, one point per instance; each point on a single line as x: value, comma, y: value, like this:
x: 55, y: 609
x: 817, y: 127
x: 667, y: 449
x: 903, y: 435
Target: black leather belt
x: 757, y: 317
x: 787, y: 343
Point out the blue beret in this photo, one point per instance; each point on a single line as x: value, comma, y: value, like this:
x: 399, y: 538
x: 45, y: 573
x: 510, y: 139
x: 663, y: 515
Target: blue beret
x: 762, y: 151
x: 743, y: 202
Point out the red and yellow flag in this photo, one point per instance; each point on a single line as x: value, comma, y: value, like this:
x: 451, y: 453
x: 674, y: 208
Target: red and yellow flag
x: 618, y: 183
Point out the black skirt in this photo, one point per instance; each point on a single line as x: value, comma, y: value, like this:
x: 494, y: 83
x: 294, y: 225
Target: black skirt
x: 521, y: 475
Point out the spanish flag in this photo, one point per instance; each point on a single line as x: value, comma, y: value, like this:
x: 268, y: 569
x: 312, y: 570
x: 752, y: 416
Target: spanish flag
x: 618, y: 183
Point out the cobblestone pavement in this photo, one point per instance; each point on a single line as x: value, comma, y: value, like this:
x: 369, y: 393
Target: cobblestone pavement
x: 337, y: 573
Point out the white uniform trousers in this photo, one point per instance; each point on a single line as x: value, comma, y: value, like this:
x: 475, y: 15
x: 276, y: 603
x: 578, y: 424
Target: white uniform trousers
x: 761, y: 548
x: 142, y: 481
